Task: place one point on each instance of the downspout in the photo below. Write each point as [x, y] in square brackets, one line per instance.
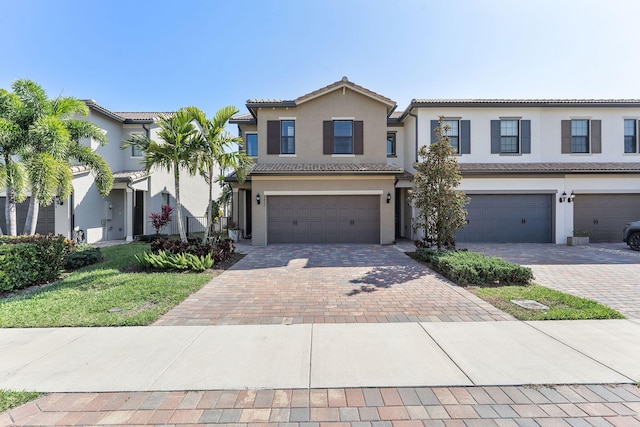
[416, 117]
[147, 131]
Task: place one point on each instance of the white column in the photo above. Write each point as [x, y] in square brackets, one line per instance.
[129, 214]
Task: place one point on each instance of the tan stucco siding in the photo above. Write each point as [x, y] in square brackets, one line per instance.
[308, 128]
[314, 185]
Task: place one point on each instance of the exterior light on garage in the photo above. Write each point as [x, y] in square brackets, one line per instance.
[563, 197]
[388, 197]
[571, 197]
[258, 198]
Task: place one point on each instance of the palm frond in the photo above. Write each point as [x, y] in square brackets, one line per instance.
[67, 106]
[82, 129]
[98, 166]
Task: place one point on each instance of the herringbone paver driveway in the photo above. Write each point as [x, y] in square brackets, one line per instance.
[607, 273]
[328, 284]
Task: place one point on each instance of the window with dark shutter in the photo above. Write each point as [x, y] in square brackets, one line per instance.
[358, 137]
[525, 128]
[596, 136]
[465, 136]
[327, 137]
[565, 129]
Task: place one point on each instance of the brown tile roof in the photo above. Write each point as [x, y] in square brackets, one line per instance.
[426, 102]
[129, 176]
[242, 118]
[344, 82]
[78, 169]
[475, 168]
[295, 168]
[144, 115]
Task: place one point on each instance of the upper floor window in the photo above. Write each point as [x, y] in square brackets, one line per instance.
[581, 136]
[342, 137]
[281, 136]
[288, 137]
[452, 130]
[630, 136]
[458, 132]
[391, 144]
[136, 151]
[251, 144]
[510, 136]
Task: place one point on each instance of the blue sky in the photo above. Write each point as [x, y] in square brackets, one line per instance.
[140, 55]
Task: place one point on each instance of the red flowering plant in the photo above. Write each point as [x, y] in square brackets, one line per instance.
[160, 220]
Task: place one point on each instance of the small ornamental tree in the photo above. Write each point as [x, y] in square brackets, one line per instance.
[440, 205]
[160, 220]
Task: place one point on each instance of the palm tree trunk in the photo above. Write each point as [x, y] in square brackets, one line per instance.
[32, 216]
[209, 221]
[10, 213]
[176, 177]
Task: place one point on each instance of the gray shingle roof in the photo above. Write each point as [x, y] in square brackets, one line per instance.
[610, 167]
[126, 117]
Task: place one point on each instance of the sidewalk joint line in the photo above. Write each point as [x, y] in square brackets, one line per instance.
[189, 344]
[447, 354]
[578, 351]
[310, 361]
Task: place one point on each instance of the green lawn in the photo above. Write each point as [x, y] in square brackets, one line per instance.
[85, 296]
[561, 306]
[12, 399]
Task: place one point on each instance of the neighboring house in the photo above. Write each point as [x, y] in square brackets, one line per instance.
[124, 213]
[335, 166]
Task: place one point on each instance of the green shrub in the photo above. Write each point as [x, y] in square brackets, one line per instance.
[218, 248]
[31, 260]
[165, 260]
[473, 268]
[82, 255]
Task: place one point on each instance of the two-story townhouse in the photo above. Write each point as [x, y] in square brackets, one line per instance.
[124, 213]
[538, 170]
[535, 170]
[321, 173]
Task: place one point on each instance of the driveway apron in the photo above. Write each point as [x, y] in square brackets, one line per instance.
[288, 284]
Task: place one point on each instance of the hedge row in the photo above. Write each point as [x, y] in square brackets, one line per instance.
[472, 268]
[31, 260]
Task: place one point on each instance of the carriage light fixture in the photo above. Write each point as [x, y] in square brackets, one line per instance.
[388, 197]
[258, 198]
[563, 197]
[571, 197]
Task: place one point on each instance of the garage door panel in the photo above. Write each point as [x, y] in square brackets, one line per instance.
[509, 218]
[603, 215]
[46, 217]
[323, 219]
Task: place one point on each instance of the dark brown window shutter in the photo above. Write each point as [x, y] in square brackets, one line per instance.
[565, 130]
[273, 137]
[327, 137]
[596, 136]
[358, 137]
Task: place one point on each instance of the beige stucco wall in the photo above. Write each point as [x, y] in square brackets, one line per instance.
[345, 104]
[343, 185]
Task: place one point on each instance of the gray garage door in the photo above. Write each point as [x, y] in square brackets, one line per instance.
[604, 215]
[512, 218]
[323, 219]
[46, 217]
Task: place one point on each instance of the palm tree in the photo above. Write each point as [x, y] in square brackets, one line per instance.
[217, 149]
[13, 112]
[180, 137]
[48, 138]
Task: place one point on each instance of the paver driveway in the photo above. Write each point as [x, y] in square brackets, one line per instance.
[328, 284]
[607, 273]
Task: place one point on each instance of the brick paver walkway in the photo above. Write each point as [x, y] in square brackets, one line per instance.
[594, 405]
[329, 284]
[607, 273]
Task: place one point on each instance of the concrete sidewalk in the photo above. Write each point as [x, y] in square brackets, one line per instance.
[320, 356]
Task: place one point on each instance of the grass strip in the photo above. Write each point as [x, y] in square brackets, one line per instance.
[561, 306]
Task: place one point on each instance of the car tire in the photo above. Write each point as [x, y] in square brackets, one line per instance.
[634, 241]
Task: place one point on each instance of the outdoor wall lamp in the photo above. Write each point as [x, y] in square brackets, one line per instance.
[59, 201]
[571, 197]
[563, 198]
[258, 198]
[388, 197]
